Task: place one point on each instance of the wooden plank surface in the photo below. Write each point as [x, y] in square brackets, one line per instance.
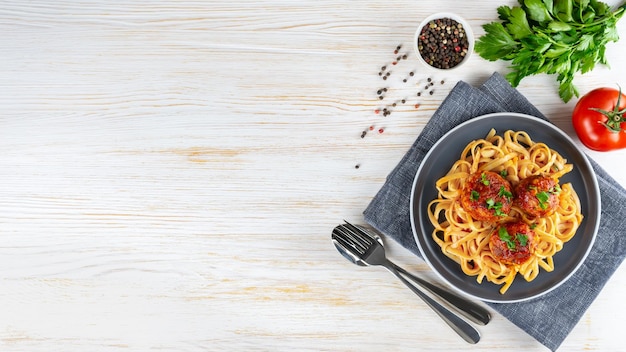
[171, 172]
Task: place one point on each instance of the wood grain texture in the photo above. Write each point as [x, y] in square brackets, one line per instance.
[171, 172]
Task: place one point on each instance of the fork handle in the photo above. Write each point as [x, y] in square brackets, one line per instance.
[469, 309]
[463, 328]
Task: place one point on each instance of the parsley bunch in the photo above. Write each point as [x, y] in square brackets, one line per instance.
[559, 37]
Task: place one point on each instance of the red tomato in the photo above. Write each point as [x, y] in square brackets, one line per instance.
[598, 119]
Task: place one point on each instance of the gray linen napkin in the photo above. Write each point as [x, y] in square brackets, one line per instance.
[389, 213]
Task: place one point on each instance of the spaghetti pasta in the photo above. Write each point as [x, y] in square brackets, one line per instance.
[464, 239]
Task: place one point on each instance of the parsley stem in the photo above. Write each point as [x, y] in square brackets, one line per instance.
[617, 14]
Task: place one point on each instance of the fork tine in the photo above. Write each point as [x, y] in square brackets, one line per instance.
[340, 240]
[355, 234]
[352, 239]
[364, 235]
[341, 235]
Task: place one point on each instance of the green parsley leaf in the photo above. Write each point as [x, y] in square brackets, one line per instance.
[504, 173]
[518, 24]
[567, 90]
[611, 34]
[474, 195]
[537, 11]
[563, 10]
[484, 180]
[543, 198]
[600, 8]
[497, 43]
[506, 238]
[586, 42]
[495, 206]
[504, 12]
[504, 193]
[522, 239]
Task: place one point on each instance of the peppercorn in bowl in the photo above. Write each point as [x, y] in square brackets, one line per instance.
[443, 41]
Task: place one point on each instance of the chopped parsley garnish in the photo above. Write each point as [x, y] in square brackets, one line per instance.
[543, 198]
[484, 180]
[556, 189]
[504, 173]
[510, 240]
[504, 193]
[495, 206]
[506, 238]
[522, 239]
[474, 195]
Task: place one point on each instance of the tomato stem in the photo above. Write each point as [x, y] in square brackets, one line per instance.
[614, 117]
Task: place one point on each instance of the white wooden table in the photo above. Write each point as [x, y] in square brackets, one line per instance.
[171, 171]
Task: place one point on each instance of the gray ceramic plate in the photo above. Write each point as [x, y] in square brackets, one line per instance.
[438, 162]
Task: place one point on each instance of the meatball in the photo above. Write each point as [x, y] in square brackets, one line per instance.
[537, 195]
[512, 243]
[487, 196]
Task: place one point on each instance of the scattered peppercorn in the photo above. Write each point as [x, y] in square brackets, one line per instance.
[357, 166]
[387, 109]
[442, 81]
